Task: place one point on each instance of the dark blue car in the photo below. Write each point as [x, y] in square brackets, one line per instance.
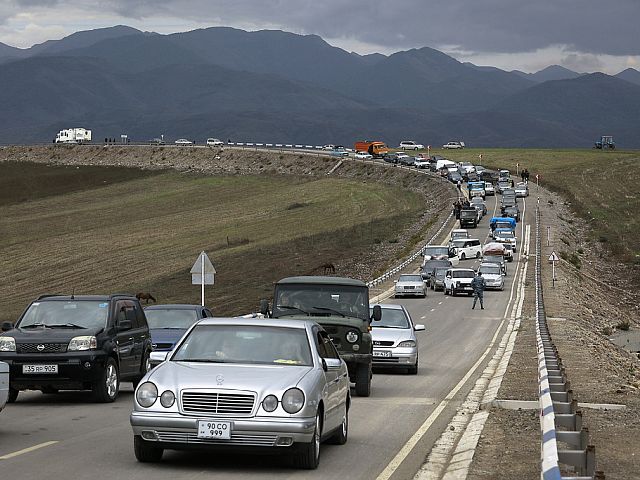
[167, 323]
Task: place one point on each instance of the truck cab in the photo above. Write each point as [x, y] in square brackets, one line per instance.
[341, 306]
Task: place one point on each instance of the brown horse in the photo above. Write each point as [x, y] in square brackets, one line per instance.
[145, 296]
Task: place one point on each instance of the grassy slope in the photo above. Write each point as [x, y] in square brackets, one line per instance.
[145, 234]
[602, 187]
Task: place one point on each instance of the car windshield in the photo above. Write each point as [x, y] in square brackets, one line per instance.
[508, 234]
[490, 269]
[171, 318]
[66, 314]
[321, 300]
[410, 278]
[463, 274]
[493, 259]
[440, 273]
[246, 344]
[392, 318]
[437, 251]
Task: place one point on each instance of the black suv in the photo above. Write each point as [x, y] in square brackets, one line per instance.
[77, 343]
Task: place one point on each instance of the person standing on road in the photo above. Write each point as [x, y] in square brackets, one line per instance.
[478, 284]
[459, 186]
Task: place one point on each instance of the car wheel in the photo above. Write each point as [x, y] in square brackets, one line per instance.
[145, 451]
[424, 293]
[453, 292]
[413, 369]
[340, 437]
[13, 395]
[363, 380]
[106, 390]
[478, 255]
[145, 367]
[462, 256]
[309, 455]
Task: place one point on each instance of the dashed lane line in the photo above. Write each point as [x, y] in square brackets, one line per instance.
[27, 450]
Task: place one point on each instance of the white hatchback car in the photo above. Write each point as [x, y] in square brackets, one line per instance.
[394, 341]
[214, 142]
[183, 141]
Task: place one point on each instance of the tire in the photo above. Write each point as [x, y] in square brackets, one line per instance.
[363, 380]
[413, 369]
[453, 292]
[146, 452]
[341, 436]
[13, 395]
[308, 456]
[463, 256]
[478, 255]
[145, 367]
[106, 390]
[424, 293]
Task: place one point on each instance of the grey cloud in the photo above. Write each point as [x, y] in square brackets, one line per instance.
[582, 63]
[499, 26]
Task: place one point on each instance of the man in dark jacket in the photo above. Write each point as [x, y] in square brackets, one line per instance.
[478, 284]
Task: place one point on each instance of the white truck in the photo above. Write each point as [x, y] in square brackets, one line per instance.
[73, 135]
[4, 384]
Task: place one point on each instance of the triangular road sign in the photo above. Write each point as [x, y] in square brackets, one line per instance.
[553, 257]
[209, 271]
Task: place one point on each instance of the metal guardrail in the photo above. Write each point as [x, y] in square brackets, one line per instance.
[560, 421]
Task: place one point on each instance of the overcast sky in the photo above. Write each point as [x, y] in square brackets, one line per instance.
[528, 35]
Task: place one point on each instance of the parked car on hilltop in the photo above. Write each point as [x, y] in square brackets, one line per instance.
[262, 384]
[411, 145]
[453, 145]
[183, 141]
[214, 142]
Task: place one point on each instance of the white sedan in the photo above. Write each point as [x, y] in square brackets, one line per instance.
[183, 141]
[453, 145]
[410, 284]
[363, 156]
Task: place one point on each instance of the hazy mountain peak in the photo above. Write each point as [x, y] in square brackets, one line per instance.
[82, 39]
[630, 75]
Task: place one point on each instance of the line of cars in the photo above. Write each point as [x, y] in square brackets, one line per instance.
[279, 384]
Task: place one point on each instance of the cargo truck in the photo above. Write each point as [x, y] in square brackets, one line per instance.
[376, 149]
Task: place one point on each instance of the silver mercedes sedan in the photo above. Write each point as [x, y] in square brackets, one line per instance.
[272, 385]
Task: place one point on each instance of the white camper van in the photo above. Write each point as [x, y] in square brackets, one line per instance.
[73, 135]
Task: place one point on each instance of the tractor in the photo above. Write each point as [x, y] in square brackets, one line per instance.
[606, 141]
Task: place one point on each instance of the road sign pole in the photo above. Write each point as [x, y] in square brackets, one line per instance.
[553, 275]
[548, 235]
[202, 276]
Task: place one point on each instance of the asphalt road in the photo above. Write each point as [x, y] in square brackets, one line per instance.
[94, 440]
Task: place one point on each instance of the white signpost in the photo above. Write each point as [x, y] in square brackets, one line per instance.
[202, 272]
[553, 258]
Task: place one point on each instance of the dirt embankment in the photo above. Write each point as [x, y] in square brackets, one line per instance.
[438, 194]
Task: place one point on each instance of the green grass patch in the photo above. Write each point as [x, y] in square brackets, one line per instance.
[144, 234]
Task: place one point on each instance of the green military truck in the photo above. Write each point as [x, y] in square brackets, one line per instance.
[341, 306]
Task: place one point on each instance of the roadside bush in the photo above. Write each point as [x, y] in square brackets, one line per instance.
[623, 325]
[607, 331]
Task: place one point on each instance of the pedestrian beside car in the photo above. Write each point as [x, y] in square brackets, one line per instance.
[478, 284]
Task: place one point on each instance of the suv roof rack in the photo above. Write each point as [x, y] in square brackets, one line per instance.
[46, 295]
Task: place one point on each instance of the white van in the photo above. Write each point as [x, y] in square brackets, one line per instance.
[468, 248]
[444, 163]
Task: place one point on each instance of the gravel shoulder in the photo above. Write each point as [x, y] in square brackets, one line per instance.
[590, 303]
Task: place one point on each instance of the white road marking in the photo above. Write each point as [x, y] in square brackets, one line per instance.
[424, 316]
[27, 450]
[439, 303]
[433, 310]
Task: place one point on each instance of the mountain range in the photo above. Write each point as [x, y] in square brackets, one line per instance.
[274, 86]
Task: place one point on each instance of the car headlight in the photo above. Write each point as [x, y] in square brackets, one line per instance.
[352, 336]
[407, 343]
[270, 403]
[293, 400]
[7, 344]
[147, 394]
[167, 398]
[86, 342]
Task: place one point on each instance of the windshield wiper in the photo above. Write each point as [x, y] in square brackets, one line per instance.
[66, 325]
[330, 310]
[35, 325]
[291, 307]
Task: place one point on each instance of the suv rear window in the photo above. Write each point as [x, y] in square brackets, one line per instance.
[82, 313]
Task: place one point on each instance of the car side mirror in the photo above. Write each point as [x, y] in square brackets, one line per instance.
[331, 364]
[124, 325]
[377, 313]
[156, 358]
[6, 326]
[264, 307]
[419, 327]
